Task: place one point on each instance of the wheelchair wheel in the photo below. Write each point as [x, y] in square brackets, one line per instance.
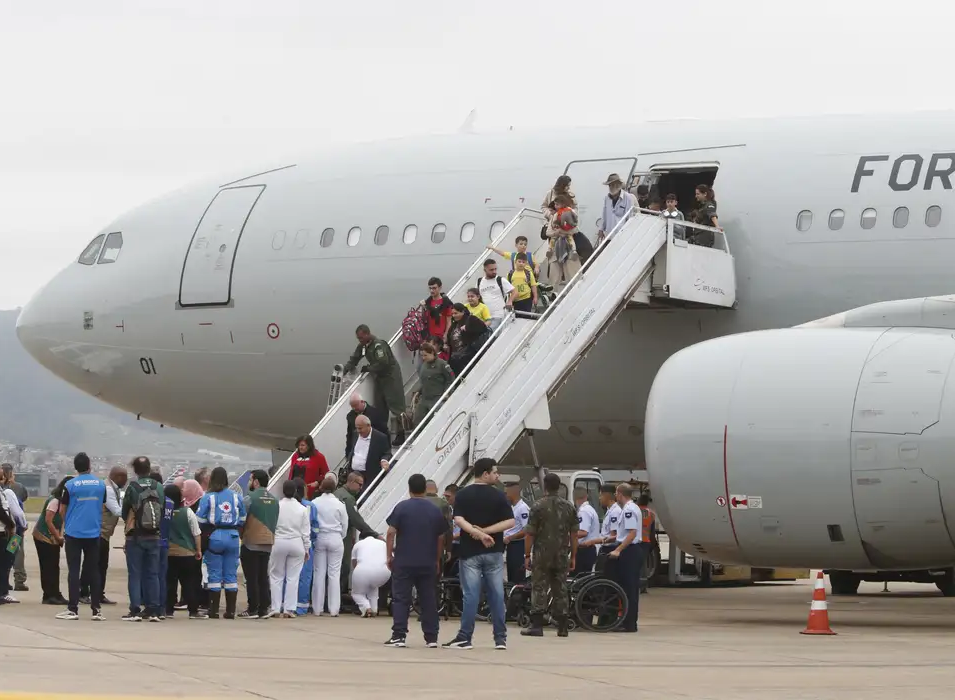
[523, 619]
[441, 601]
[600, 605]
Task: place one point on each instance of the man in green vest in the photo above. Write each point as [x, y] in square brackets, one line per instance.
[348, 494]
[258, 536]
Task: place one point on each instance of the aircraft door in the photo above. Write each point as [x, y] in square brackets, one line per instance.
[587, 178]
[207, 270]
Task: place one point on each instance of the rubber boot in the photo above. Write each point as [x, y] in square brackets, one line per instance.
[563, 626]
[214, 597]
[537, 626]
[230, 599]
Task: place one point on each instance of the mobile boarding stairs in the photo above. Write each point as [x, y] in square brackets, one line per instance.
[644, 260]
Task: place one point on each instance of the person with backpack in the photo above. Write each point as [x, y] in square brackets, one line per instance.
[438, 306]
[143, 511]
[522, 277]
[221, 514]
[497, 293]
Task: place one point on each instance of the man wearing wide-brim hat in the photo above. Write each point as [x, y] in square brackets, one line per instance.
[616, 205]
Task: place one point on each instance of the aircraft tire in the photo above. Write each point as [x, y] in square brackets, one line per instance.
[844, 583]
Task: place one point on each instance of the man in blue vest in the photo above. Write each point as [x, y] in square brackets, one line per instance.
[81, 508]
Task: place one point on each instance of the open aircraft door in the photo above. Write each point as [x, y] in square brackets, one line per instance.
[587, 184]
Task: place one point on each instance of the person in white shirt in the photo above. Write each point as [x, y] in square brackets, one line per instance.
[369, 562]
[497, 292]
[329, 548]
[616, 204]
[289, 553]
[626, 559]
[608, 529]
[514, 536]
[588, 533]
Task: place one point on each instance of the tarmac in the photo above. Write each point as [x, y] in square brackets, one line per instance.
[739, 643]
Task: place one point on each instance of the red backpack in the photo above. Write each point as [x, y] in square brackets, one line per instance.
[414, 328]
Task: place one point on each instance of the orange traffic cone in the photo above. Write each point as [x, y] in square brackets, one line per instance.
[819, 611]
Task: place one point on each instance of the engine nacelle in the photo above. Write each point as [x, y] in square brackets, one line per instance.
[808, 447]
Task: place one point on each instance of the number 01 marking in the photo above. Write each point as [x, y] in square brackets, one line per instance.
[147, 365]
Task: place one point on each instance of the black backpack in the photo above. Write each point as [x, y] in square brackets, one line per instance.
[584, 247]
[149, 509]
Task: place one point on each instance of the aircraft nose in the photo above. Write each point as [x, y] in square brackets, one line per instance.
[50, 328]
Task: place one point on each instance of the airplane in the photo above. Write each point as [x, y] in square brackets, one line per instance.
[236, 340]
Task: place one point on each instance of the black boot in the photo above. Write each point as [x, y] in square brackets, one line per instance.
[537, 626]
[214, 597]
[563, 626]
[230, 599]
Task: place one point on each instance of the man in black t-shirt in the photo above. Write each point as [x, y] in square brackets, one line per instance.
[483, 514]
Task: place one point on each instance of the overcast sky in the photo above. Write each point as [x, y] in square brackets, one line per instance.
[109, 103]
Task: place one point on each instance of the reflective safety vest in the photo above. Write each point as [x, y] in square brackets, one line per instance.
[648, 517]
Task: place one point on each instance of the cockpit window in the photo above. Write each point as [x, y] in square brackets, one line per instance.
[88, 256]
[114, 243]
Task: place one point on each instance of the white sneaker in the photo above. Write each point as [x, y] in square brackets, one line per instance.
[98, 617]
[9, 599]
[67, 615]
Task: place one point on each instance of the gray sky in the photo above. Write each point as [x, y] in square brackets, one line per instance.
[107, 104]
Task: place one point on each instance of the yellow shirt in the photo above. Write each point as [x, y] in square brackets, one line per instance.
[523, 280]
[481, 311]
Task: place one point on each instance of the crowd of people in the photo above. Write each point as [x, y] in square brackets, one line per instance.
[184, 544]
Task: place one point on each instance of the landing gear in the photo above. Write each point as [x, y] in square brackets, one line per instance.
[844, 582]
[946, 584]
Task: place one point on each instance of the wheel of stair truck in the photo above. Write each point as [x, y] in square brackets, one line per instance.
[844, 582]
[600, 605]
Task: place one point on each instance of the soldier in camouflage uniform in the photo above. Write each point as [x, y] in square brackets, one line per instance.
[551, 536]
[382, 365]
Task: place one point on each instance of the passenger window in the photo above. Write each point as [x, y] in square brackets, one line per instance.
[354, 234]
[381, 235]
[410, 234]
[868, 218]
[837, 217]
[437, 233]
[496, 229]
[933, 216]
[88, 256]
[467, 232]
[592, 487]
[804, 220]
[114, 243]
[900, 218]
[328, 236]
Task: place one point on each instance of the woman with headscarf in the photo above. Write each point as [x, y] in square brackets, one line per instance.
[466, 334]
[185, 555]
[192, 492]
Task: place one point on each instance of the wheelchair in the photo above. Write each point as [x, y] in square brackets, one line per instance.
[597, 603]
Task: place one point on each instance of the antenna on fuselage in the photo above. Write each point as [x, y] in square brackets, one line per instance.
[468, 126]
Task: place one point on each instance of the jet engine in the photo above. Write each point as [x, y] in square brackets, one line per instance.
[830, 445]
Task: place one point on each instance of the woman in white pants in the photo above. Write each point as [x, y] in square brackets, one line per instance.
[289, 553]
[369, 566]
[329, 548]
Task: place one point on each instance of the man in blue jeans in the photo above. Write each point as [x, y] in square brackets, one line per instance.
[142, 542]
[483, 514]
[415, 546]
